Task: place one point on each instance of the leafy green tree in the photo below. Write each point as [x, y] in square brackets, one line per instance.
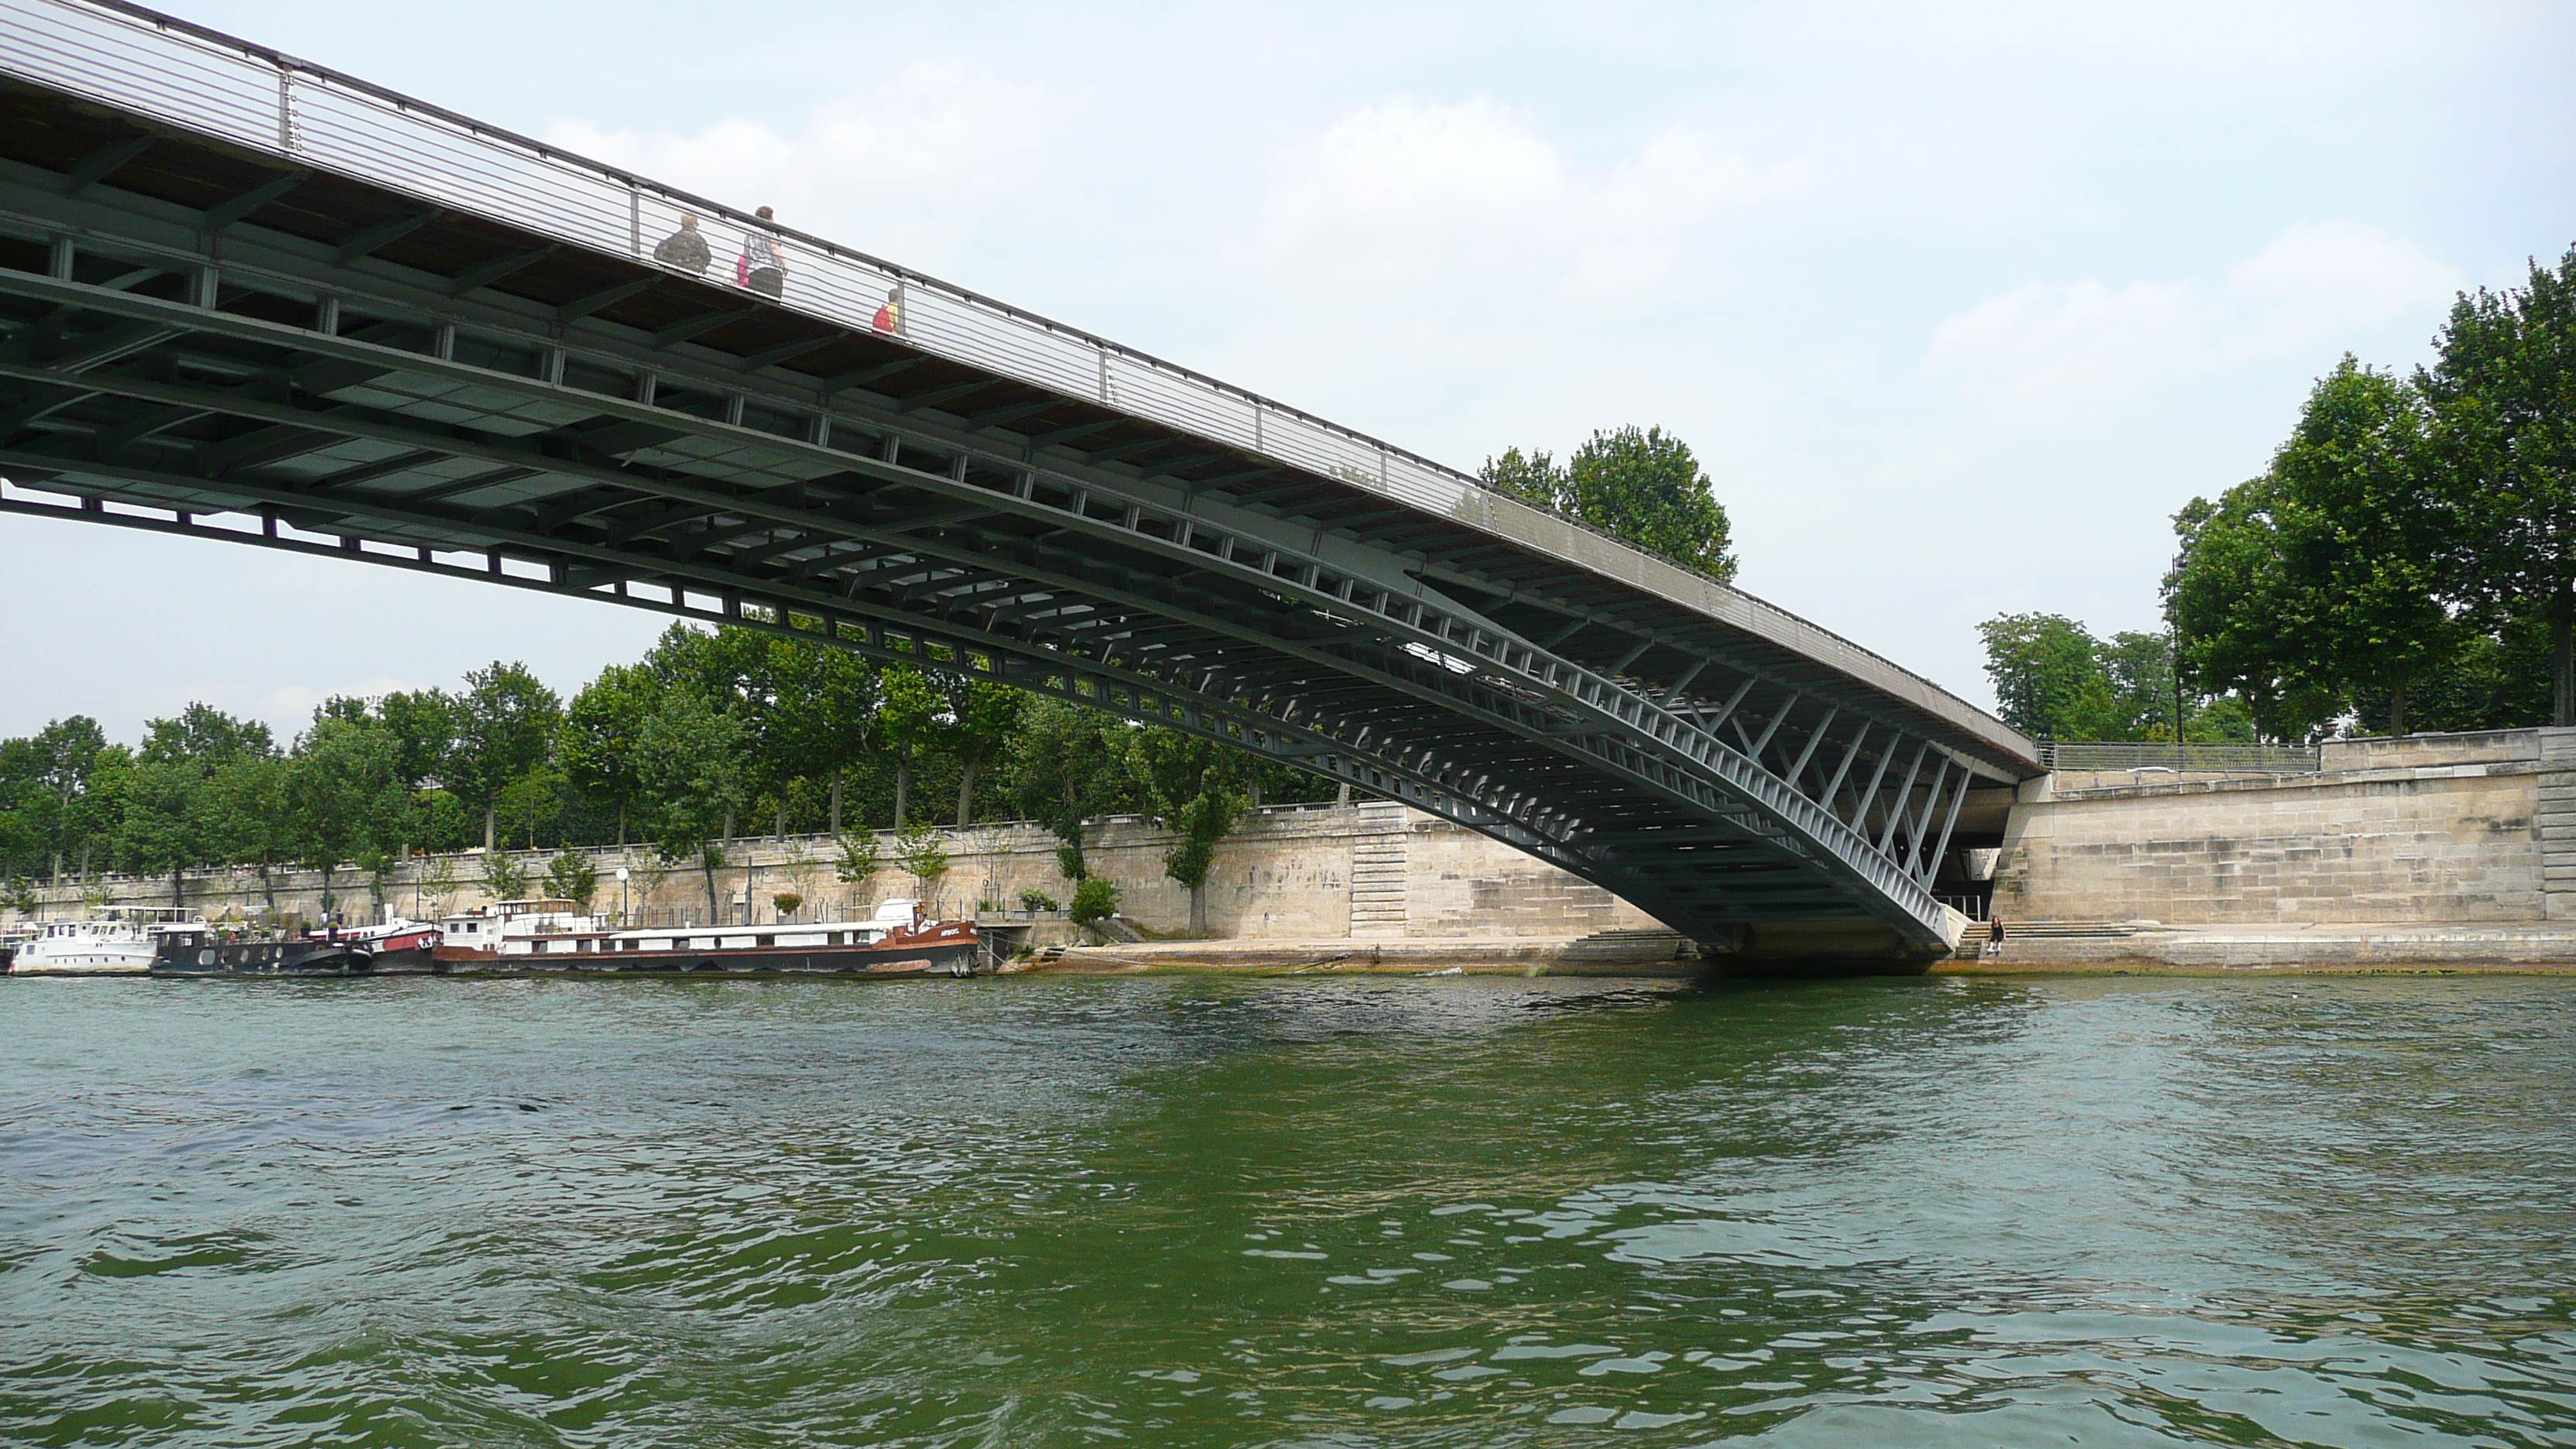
[2362, 541]
[823, 704]
[1646, 487]
[596, 744]
[504, 878]
[571, 876]
[204, 734]
[506, 723]
[981, 720]
[248, 819]
[1095, 899]
[160, 829]
[344, 797]
[1532, 478]
[533, 801]
[689, 760]
[422, 724]
[910, 714]
[2502, 443]
[1639, 484]
[1064, 768]
[52, 772]
[924, 852]
[2048, 676]
[1197, 794]
[859, 859]
[2234, 603]
[439, 884]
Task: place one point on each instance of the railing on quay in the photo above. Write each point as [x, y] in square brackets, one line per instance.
[315, 116]
[2162, 755]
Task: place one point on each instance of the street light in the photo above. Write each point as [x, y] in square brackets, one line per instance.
[621, 895]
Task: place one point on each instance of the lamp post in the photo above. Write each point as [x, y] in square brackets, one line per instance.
[621, 895]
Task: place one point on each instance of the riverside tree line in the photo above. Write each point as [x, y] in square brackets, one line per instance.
[2406, 562]
[709, 737]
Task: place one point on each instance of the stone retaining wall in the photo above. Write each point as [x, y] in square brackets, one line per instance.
[1287, 874]
[2427, 828]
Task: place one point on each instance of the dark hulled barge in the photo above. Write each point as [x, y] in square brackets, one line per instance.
[398, 948]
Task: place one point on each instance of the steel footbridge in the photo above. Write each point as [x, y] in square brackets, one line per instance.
[249, 299]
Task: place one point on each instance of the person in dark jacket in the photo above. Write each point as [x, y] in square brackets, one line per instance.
[763, 264]
[684, 250]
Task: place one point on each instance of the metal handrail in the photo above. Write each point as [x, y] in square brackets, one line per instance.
[2164, 755]
[264, 98]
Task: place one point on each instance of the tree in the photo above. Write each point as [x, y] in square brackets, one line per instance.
[505, 728]
[1638, 484]
[858, 861]
[438, 884]
[1064, 769]
[159, 826]
[532, 801]
[823, 714]
[204, 734]
[504, 878]
[690, 768]
[596, 743]
[1197, 795]
[925, 854]
[571, 876]
[344, 797]
[982, 717]
[909, 716]
[1095, 900]
[249, 821]
[2048, 675]
[2232, 602]
[2501, 431]
[422, 724]
[2362, 542]
[1532, 478]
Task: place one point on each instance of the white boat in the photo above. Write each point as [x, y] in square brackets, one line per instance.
[550, 935]
[114, 941]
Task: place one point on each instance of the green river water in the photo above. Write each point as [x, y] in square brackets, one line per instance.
[1305, 1210]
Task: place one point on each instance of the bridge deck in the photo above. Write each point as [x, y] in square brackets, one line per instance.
[308, 328]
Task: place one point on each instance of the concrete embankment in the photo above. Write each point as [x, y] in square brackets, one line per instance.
[2428, 852]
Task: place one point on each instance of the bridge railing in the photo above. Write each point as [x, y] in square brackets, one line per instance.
[2159, 755]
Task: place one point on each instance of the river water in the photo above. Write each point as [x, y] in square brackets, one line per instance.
[1314, 1210]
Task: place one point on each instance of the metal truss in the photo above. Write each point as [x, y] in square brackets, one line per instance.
[158, 371]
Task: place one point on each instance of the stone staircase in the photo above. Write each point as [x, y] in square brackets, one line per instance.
[2556, 818]
[1378, 869]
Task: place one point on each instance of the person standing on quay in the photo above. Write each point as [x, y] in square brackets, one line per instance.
[763, 265]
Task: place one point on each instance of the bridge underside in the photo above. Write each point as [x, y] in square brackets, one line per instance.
[198, 337]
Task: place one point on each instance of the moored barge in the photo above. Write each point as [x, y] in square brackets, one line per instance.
[895, 941]
[396, 948]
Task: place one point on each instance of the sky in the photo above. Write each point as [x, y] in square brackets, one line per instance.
[1957, 304]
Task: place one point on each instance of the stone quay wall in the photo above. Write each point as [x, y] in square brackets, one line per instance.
[1374, 870]
[2459, 829]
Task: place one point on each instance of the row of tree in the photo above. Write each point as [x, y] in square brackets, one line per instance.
[2406, 562]
[710, 736]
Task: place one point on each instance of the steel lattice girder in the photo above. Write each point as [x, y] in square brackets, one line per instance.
[1064, 573]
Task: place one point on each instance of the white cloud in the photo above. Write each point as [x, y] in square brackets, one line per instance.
[1471, 205]
[2049, 340]
[2317, 282]
[2326, 281]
